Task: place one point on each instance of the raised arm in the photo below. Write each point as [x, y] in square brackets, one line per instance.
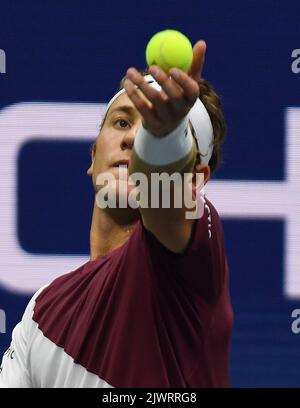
[164, 142]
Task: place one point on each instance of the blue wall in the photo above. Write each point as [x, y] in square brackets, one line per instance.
[77, 51]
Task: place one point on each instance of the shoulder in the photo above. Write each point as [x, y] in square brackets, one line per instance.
[62, 288]
[27, 316]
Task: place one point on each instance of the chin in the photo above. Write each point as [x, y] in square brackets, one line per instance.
[115, 194]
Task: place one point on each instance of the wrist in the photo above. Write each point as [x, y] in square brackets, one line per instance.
[164, 150]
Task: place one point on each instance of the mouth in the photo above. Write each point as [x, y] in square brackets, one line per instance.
[121, 163]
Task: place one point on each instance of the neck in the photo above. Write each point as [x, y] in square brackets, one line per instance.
[110, 229]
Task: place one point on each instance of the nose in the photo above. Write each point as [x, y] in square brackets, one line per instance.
[128, 138]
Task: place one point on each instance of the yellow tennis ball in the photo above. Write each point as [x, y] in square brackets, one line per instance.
[168, 49]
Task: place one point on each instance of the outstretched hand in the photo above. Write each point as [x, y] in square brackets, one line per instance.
[162, 111]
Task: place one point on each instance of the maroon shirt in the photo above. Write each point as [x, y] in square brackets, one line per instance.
[143, 316]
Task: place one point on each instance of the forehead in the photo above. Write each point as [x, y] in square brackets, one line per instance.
[124, 100]
[123, 103]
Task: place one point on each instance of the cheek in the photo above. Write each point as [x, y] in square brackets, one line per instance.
[103, 147]
[107, 149]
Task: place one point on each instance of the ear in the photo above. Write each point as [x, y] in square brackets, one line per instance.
[203, 171]
[93, 152]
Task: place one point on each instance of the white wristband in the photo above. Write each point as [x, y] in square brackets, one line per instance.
[164, 150]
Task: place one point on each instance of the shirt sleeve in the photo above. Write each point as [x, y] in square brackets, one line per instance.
[14, 370]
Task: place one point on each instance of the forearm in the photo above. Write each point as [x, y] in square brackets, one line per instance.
[167, 222]
[159, 155]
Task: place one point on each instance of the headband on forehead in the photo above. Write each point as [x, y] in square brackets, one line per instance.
[198, 117]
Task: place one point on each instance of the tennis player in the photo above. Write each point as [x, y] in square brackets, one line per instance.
[152, 307]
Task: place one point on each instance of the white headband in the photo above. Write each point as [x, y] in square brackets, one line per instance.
[198, 117]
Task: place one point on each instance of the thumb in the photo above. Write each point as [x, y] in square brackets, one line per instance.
[199, 50]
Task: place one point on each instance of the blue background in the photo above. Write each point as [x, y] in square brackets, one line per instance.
[79, 51]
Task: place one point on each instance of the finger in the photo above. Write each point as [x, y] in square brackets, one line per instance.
[190, 86]
[158, 99]
[143, 106]
[171, 88]
[199, 51]
[149, 91]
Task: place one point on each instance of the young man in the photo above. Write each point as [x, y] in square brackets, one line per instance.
[151, 308]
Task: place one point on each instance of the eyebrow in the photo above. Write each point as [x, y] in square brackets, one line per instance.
[122, 108]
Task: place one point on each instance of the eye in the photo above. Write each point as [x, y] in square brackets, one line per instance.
[121, 124]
